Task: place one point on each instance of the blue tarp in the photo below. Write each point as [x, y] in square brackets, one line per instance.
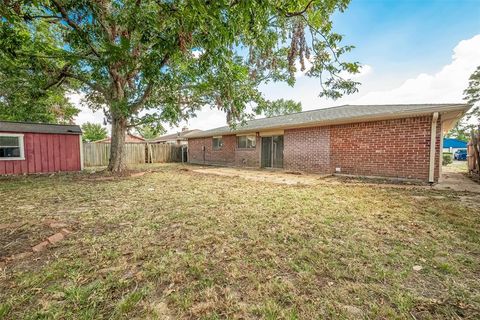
[454, 143]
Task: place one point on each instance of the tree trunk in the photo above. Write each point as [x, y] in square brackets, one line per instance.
[117, 154]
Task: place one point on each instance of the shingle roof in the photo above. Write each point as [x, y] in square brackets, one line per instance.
[7, 126]
[175, 136]
[333, 115]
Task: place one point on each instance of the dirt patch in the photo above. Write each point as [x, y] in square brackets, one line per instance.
[15, 240]
[457, 181]
[278, 177]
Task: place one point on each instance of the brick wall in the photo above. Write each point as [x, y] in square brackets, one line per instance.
[307, 149]
[225, 156]
[392, 148]
[228, 155]
[249, 158]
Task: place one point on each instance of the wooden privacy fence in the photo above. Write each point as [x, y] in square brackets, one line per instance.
[474, 153]
[163, 153]
[97, 154]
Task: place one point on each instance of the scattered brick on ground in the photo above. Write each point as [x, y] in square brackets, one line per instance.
[40, 247]
[54, 238]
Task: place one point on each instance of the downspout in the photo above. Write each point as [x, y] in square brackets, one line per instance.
[433, 138]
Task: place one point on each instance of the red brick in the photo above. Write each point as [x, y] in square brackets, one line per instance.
[40, 247]
[55, 238]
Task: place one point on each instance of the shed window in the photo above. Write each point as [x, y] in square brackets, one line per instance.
[217, 143]
[11, 147]
[246, 142]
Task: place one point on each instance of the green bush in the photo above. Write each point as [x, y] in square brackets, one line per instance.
[447, 158]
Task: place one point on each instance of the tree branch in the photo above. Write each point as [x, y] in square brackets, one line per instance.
[59, 79]
[299, 13]
[75, 26]
[146, 94]
[84, 80]
[148, 90]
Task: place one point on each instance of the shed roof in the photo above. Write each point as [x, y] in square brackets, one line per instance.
[334, 115]
[454, 143]
[7, 126]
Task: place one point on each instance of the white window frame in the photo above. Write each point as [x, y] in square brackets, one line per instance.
[21, 145]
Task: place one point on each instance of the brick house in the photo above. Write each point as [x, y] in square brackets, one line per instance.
[395, 141]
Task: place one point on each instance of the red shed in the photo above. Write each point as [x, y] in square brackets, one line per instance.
[39, 148]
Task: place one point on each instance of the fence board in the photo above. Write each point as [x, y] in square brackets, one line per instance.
[163, 153]
[134, 153]
[97, 154]
[473, 150]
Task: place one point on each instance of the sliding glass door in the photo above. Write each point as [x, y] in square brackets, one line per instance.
[272, 152]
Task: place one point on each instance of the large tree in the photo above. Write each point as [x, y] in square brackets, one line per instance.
[25, 93]
[281, 107]
[161, 60]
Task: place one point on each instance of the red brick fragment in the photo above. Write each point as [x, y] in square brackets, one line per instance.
[40, 247]
[55, 237]
[137, 174]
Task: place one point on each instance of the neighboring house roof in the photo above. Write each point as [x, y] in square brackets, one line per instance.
[175, 136]
[336, 115]
[129, 138]
[7, 126]
[454, 143]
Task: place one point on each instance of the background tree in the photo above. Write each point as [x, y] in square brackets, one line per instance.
[148, 131]
[280, 107]
[461, 131]
[472, 94]
[159, 60]
[25, 93]
[463, 128]
[93, 132]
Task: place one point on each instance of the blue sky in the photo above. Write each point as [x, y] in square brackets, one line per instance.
[401, 37]
[413, 51]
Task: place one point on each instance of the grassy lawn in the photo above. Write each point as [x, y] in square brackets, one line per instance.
[179, 244]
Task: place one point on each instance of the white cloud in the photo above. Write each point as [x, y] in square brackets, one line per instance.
[86, 114]
[299, 73]
[446, 85]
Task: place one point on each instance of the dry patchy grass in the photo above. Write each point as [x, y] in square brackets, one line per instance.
[180, 244]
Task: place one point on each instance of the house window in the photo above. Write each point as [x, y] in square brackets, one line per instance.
[246, 142]
[217, 143]
[11, 147]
